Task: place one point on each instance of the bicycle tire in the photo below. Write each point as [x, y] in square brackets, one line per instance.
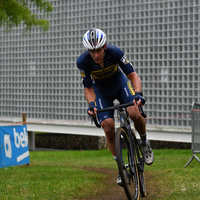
[140, 162]
[142, 184]
[128, 171]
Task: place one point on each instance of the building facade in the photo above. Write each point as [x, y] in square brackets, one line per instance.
[38, 73]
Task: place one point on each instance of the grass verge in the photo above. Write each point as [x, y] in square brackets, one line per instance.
[61, 175]
[168, 179]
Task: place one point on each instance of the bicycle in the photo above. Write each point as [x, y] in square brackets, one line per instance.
[129, 153]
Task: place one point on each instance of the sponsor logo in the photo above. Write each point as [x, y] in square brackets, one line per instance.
[20, 141]
[7, 146]
[104, 73]
[125, 60]
[82, 72]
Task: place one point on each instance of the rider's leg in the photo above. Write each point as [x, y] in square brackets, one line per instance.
[109, 129]
[139, 121]
[140, 126]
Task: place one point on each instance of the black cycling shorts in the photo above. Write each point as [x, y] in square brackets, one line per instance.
[120, 90]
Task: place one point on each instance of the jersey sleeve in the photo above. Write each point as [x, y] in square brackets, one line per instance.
[85, 74]
[123, 61]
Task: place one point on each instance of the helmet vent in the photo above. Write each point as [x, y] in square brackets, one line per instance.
[94, 39]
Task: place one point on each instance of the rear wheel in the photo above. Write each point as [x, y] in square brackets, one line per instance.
[127, 169]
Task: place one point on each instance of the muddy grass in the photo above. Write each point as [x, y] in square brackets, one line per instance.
[112, 191]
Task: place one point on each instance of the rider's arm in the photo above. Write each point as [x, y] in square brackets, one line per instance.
[90, 97]
[83, 64]
[137, 86]
[129, 71]
[89, 94]
[136, 82]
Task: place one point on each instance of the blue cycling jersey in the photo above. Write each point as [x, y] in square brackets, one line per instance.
[114, 57]
[109, 83]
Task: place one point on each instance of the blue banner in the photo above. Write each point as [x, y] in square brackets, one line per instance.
[14, 146]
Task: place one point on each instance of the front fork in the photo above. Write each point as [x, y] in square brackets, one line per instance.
[140, 160]
[132, 151]
[140, 165]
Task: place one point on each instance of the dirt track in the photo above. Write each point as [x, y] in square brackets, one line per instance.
[113, 191]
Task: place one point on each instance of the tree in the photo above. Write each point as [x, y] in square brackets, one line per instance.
[16, 12]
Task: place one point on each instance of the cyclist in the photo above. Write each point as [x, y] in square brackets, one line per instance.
[105, 73]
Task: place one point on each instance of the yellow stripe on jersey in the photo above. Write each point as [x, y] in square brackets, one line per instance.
[104, 73]
[130, 88]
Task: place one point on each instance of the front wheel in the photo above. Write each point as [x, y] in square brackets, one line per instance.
[140, 163]
[127, 165]
[142, 184]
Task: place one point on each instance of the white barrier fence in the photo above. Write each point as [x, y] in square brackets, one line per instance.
[170, 134]
[156, 133]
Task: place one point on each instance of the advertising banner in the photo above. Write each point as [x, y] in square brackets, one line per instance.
[14, 145]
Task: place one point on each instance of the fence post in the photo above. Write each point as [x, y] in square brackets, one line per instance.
[31, 135]
[24, 118]
[24, 122]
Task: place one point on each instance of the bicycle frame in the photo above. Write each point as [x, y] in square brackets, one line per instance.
[126, 124]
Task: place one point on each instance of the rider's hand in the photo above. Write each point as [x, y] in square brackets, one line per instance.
[141, 100]
[92, 107]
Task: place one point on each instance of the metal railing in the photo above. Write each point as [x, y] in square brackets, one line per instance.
[195, 113]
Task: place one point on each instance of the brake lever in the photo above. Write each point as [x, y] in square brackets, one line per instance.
[94, 119]
[91, 110]
[140, 108]
[142, 112]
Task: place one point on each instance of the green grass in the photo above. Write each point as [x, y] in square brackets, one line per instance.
[55, 175]
[61, 175]
[170, 180]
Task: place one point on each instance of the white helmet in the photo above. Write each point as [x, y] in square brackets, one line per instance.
[94, 39]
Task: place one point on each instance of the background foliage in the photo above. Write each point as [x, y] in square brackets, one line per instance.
[16, 12]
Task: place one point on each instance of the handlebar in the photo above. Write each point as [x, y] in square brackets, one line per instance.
[117, 107]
